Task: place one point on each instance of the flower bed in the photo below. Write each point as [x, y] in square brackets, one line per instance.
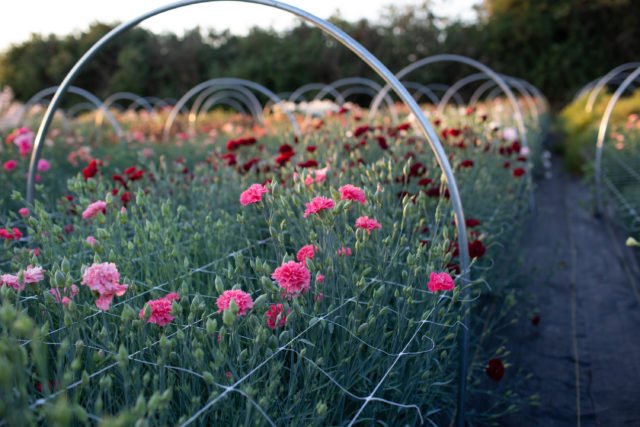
[272, 280]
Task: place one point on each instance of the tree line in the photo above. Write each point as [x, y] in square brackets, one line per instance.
[558, 45]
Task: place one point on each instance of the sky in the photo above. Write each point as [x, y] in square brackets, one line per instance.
[20, 18]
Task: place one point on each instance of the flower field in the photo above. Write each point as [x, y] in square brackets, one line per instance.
[244, 275]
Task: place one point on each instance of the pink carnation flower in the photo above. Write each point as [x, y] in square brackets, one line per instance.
[253, 194]
[305, 252]
[43, 165]
[349, 192]
[66, 296]
[319, 278]
[10, 165]
[161, 310]
[33, 274]
[272, 315]
[91, 240]
[94, 208]
[11, 280]
[103, 278]
[318, 204]
[367, 224]
[242, 299]
[440, 282]
[24, 212]
[293, 277]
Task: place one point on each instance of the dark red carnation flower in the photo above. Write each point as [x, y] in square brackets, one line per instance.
[535, 320]
[229, 158]
[506, 165]
[454, 132]
[466, 164]
[417, 169]
[311, 163]
[360, 130]
[404, 126]
[232, 144]
[126, 197]
[285, 148]
[515, 146]
[495, 370]
[518, 172]
[250, 163]
[68, 228]
[437, 122]
[453, 268]
[382, 142]
[130, 170]
[283, 158]
[424, 182]
[311, 148]
[522, 159]
[119, 179]
[471, 222]
[476, 249]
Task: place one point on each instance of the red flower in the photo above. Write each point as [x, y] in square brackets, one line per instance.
[515, 146]
[283, 158]
[495, 370]
[404, 126]
[311, 148]
[535, 320]
[472, 222]
[360, 130]
[91, 170]
[382, 142]
[272, 315]
[466, 164]
[230, 158]
[518, 172]
[126, 197]
[476, 249]
[308, 164]
[285, 148]
[247, 166]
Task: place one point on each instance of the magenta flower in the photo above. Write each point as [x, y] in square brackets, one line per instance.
[94, 208]
[318, 204]
[91, 240]
[344, 251]
[103, 278]
[305, 252]
[10, 165]
[242, 299]
[349, 192]
[367, 224]
[24, 212]
[319, 278]
[43, 165]
[253, 194]
[272, 315]
[160, 310]
[293, 277]
[440, 282]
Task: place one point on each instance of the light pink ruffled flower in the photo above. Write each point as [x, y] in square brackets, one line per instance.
[318, 204]
[440, 282]
[94, 208]
[33, 274]
[367, 224]
[91, 240]
[11, 280]
[293, 277]
[350, 192]
[242, 299]
[160, 310]
[24, 212]
[305, 252]
[103, 278]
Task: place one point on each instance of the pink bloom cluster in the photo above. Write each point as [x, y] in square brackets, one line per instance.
[272, 315]
[253, 194]
[305, 252]
[24, 141]
[318, 204]
[66, 296]
[293, 277]
[440, 282]
[349, 192]
[103, 278]
[242, 299]
[344, 251]
[43, 165]
[31, 275]
[160, 310]
[318, 176]
[10, 165]
[94, 208]
[367, 224]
